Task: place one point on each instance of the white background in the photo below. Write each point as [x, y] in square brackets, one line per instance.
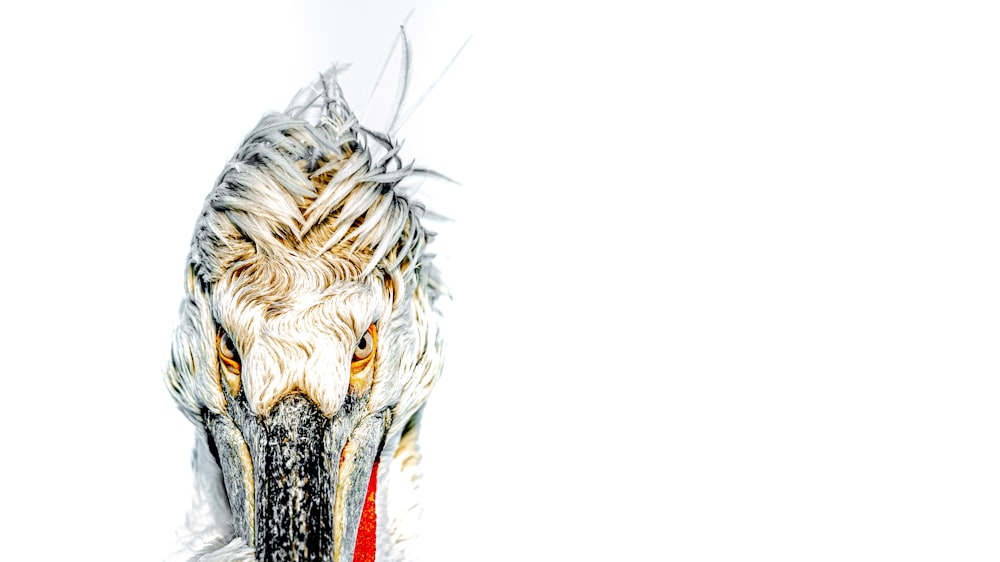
[725, 273]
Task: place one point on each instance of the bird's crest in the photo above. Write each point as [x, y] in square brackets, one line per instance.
[308, 180]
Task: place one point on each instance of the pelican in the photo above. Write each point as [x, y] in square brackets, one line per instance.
[308, 343]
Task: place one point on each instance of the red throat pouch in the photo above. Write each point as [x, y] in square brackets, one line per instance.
[364, 548]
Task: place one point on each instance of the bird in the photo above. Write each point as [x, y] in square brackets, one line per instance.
[308, 342]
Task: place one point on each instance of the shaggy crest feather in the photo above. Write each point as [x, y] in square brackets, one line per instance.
[312, 165]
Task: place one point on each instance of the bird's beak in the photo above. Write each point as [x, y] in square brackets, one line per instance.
[312, 478]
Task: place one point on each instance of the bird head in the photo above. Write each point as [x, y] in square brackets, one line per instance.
[308, 339]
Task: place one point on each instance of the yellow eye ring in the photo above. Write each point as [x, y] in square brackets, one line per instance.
[364, 350]
[227, 352]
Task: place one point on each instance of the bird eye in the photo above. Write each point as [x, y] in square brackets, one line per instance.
[365, 349]
[227, 352]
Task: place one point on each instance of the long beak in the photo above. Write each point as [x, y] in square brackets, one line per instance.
[311, 479]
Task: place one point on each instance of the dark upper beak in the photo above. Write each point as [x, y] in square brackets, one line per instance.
[302, 497]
